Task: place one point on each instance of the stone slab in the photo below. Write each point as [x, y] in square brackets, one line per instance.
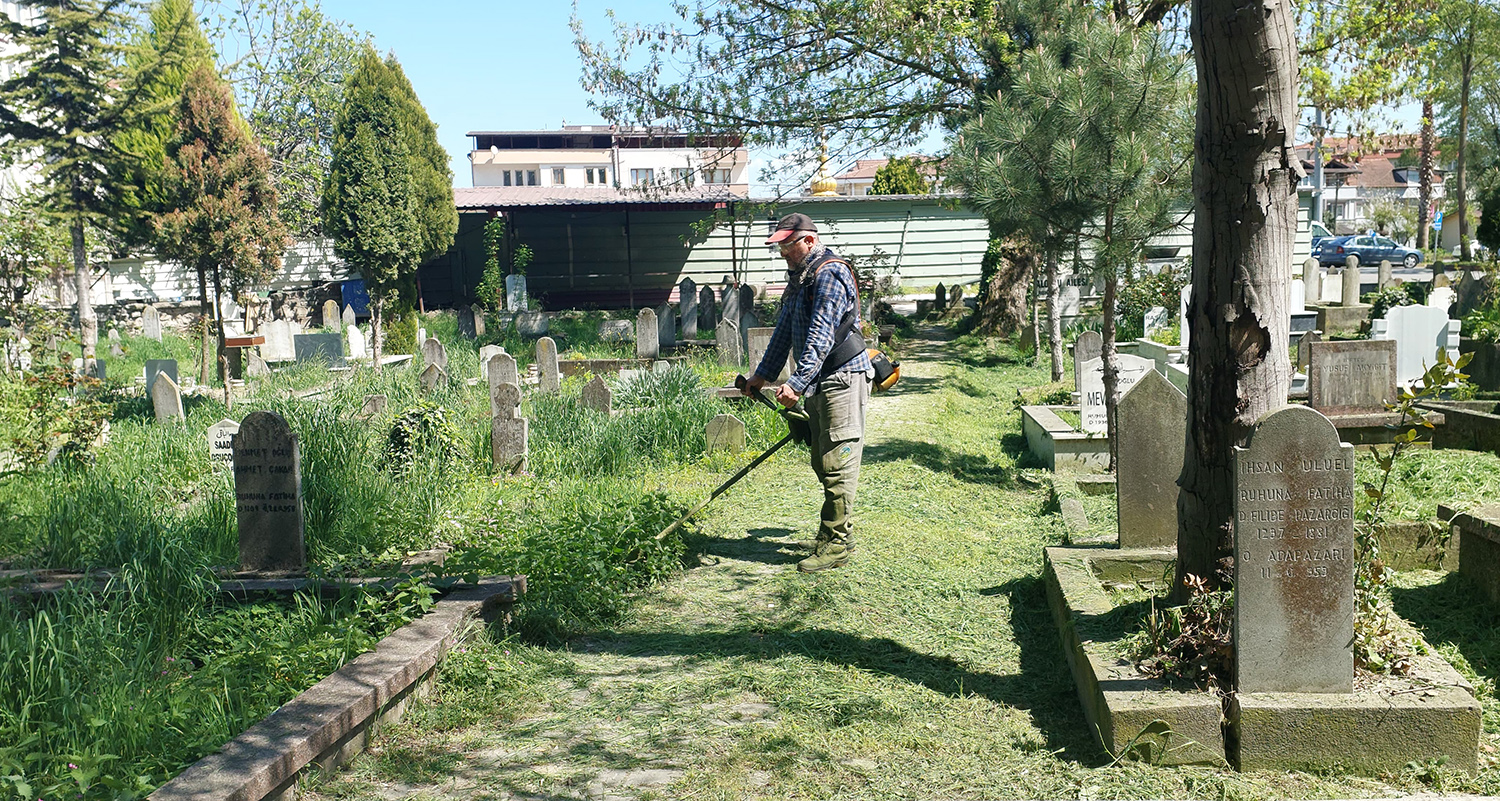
[1351, 377]
[328, 348]
[1095, 485]
[1058, 445]
[1341, 319]
[1478, 533]
[1152, 434]
[268, 494]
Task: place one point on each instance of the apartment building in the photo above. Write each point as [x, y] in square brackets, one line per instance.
[15, 178]
[609, 157]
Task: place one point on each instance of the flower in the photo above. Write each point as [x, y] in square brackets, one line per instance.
[71, 766]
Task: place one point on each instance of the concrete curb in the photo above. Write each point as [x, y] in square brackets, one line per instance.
[330, 723]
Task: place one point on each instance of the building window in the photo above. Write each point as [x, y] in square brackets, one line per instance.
[596, 175]
[642, 177]
[506, 176]
[530, 178]
[557, 176]
[717, 175]
[682, 176]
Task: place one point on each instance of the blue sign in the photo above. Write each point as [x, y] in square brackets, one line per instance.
[357, 297]
[1437, 220]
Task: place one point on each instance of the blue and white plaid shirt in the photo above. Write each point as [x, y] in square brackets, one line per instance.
[808, 332]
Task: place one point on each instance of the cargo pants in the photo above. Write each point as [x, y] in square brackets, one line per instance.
[836, 416]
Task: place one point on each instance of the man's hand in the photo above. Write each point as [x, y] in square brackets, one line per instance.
[753, 384]
[787, 396]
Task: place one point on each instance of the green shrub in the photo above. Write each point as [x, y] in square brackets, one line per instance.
[1145, 291]
[1403, 294]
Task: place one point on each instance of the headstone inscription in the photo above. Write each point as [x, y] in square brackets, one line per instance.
[221, 442]
[546, 359]
[1352, 377]
[1156, 319]
[268, 494]
[1419, 331]
[708, 314]
[278, 344]
[687, 304]
[326, 348]
[154, 366]
[646, 331]
[730, 345]
[725, 432]
[331, 318]
[434, 353]
[1152, 433]
[1088, 346]
[151, 322]
[666, 326]
[1091, 393]
[596, 396]
[1294, 556]
[166, 399]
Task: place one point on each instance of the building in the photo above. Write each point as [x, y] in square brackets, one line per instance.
[15, 178]
[860, 178]
[597, 157]
[1361, 175]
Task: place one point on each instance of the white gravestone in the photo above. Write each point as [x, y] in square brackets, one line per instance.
[1091, 393]
[221, 442]
[356, 344]
[151, 322]
[1442, 298]
[1156, 318]
[278, 346]
[1298, 296]
[486, 353]
[515, 292]
[1419, 331]
[166, 398]
[434, 353]
[331, 317]
[646, 331]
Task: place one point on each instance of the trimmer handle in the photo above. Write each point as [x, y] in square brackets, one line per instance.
[794, 413]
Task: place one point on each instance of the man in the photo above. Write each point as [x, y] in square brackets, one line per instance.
[819, 323]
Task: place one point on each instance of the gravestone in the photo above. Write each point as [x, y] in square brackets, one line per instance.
[255, 366]
[433, 377]
[1184, 300]
[687, 304]
[326, 348]
[500, 370]
[166, 399]
[515, 292]
[1442, 297]
[1298, 296]
[1304, 349]
[421, 336]
[708, 314]
[151, 322]
[374, 406]
[1294, 556]
[508, 429]
[666, 326]
[434, 353]
[1350, 281]
[731, 304]
[1383, 275]
[596, 396]
[278, 344]
[99, 372]
[355, 346]
[748, 320]
[546, 359]
[940, 298]
[348, 317]
[1156, 319]
[268, 494]
[531, 324]
[331, 318]
[1151, 435]
[221, 442]
[478, 312]
[486, 353]
[730, 345]
[154, 366]
[1091, 393]
[661, 366]
[466, 323]
[114, 344]
[1312, 278]
[1419, 331]
[1088, 346]
[646, 330]
[725, 432]
[760, 339]
[616, 331]
[747, 299]
[956, 300]
[1352, 377]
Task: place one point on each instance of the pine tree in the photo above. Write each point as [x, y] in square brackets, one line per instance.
[221, 207]
[62, 110]
[371, 200]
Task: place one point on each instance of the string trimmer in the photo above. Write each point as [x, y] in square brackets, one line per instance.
[797, 431]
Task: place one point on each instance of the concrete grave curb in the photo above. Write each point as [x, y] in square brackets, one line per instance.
[331, 722]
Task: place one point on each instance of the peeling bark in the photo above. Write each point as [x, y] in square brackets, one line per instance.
[1245, 176]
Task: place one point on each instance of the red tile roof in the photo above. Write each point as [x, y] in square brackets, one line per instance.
[490, 197]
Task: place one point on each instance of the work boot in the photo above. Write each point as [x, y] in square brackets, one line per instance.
[827, 556]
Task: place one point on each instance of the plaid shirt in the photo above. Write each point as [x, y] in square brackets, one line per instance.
[808, 332]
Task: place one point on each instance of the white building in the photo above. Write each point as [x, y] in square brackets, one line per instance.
[603, 156]
[1360, 176]
[15, 179]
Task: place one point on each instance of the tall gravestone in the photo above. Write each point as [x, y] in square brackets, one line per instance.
[1091, 393]
[166, 399]
[221, 442]
[331, 317]
[1152, 433]
[687, 304]
[1294, 556]
[731, 304]
[940, 298]
[1384, 275]
[547, 367]
[708, 315]
[115, 350]
[1352, 377]
[646, 344]
[666, 326]
[956, 305]
[1155, 319]
[1312, 278]
[730, 345]
[1089, 346]
[1304, 349]
[348, 316]
[434, 353]
[1419, 332]
[508, 429]
[354, 345]
[155, 366]
[596, 396]
[487, 352]
[466, 323]
[151, 322]
[1350, 282]
[515, 292]
[725, 432]
[268, 494]
[501, 369]
[478, 312]
[747, 299]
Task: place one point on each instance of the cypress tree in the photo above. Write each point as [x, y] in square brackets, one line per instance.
[437, 217]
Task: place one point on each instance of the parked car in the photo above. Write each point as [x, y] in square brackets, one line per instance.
[1319, 233]
[1367, 249]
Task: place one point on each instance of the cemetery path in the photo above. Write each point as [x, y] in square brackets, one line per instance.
[928, 667]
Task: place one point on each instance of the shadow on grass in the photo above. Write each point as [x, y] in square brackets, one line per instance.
[968, 467]
[758, 545]
[911, 385]
[1043, 687]
[1455, 611]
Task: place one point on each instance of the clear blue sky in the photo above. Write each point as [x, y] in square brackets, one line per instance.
[509, 65]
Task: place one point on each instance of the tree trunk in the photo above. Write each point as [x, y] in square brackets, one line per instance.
[218, 327]
[1111, 359]
[88, 324]
[1424, 172]
[377, 323]
[1002, 312]
[1245, 175]
[1054, 317]
[1466, 250]
[206, 351]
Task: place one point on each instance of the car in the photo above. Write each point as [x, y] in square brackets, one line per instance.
[1319, 233]
[1366, 249]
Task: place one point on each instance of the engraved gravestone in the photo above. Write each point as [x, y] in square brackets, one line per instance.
[616, 330]
[508, 429]
[255, 366]
[646, 344]
[666, 326]
[596, 396]
[687, 304]
[515, 292]
[325, 348]
[1091, 393]
[1383, 275]
[1156, 318]
[221, 442]
[151, 322]
[1294, 556]
[956, 300]
[166, 399]
[725, 432]
[331, 317]
[501, 371]
[708, 315]
[1152, 432]
[727, 338]
[278, 344]
[434, 353]
[1351, 377]
[268, 494]
[546, 358]
[1089, 346]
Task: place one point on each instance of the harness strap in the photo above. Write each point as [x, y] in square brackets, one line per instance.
[848, 342]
